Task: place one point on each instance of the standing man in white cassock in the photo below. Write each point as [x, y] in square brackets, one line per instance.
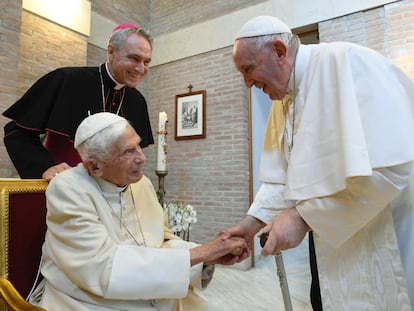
[341, 165]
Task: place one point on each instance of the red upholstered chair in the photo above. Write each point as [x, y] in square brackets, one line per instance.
[13, 300]
[22, 231]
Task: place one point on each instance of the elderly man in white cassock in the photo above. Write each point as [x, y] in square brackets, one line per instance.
[107, 245]
[337, 162]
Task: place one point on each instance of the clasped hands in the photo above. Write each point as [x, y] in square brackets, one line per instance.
[221, 250]
[286, 230]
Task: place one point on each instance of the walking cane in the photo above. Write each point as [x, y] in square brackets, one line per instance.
[281, 274]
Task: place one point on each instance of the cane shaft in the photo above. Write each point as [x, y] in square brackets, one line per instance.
[281, 273]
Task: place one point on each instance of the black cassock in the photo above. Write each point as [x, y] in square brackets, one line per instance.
[56, 104]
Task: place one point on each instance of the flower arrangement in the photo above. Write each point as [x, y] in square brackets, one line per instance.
[180, 217]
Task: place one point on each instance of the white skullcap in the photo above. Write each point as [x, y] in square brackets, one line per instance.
[94, 124]
[262, 26]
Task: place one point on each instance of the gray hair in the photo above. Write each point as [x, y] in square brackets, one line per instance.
[291, 40]
[119, 37]
[100, 146]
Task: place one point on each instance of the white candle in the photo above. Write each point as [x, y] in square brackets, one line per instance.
[162, 142]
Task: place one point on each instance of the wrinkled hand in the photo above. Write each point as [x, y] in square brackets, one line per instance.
[287, 230]
[246, 229]
[219, 251]
[54, 170]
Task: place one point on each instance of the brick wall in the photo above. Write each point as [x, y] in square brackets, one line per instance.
[364, 28]
[388, 29]
[10, 12]
[45, 46]
[172, 15]
[95, 56]
[211, 173]
[124, 11]
[400, 35]
[42, 46]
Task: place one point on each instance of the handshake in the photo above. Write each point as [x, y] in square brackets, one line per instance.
[220, 250]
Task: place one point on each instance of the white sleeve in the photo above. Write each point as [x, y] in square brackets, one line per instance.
[195, 270]
[149, 273]
[338, 217]
[268, 202]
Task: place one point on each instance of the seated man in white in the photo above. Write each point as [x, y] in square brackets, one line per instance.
[107, 245]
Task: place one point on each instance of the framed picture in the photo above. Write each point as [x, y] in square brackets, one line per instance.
[190, 115]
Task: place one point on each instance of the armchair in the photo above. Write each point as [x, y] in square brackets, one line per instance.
[22, 231]
[14, 301]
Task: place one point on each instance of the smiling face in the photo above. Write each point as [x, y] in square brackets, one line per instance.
[125, 165]
[131, 62]
[267, 68]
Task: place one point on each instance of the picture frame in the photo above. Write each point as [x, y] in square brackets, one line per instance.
[190, 115]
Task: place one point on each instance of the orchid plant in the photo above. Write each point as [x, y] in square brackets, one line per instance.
[180, 217]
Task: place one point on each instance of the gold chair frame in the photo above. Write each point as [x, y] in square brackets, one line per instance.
[12, 298]
[9, 187]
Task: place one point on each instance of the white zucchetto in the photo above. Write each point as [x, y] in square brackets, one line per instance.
[262, 26]
[94, 124]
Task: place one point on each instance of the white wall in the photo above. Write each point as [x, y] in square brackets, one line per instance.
[73, 14]
[259, 109]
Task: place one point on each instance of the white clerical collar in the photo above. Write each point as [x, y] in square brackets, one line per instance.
[118, 85]
[301, 63]
[109, 187]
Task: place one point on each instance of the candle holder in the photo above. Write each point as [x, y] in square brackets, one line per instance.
[161, 189]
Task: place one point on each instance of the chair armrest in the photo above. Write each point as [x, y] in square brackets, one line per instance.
[14, 301]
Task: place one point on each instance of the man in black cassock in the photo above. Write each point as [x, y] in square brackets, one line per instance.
[57, 103]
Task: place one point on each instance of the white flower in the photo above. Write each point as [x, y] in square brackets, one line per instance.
[180, 216]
